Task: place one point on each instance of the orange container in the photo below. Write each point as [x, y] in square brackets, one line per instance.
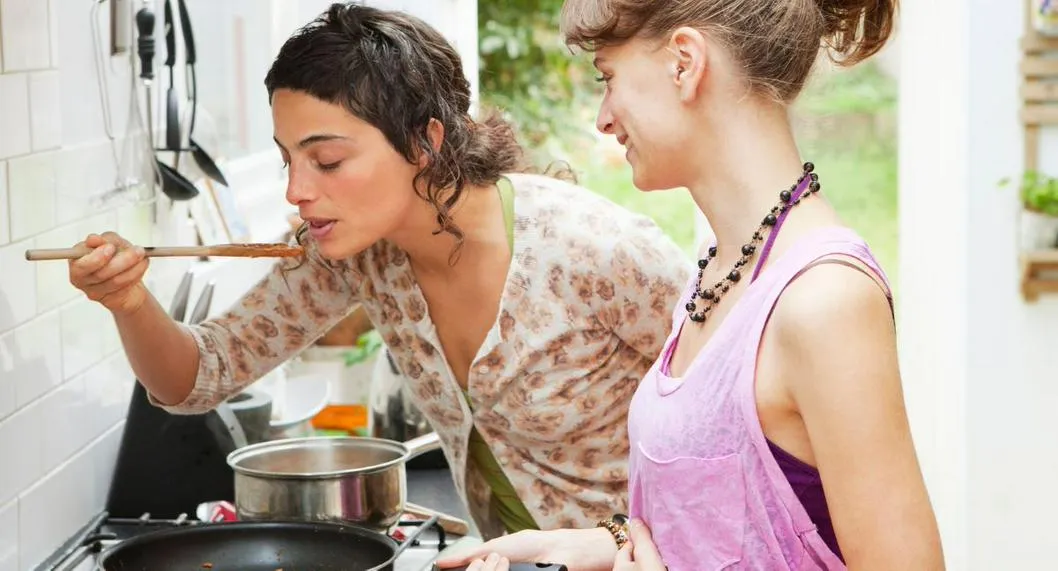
[351, 418]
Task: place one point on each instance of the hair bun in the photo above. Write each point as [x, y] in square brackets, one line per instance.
[856, 29]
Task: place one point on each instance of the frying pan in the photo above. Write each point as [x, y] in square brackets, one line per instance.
[268, 546]
[258, 546]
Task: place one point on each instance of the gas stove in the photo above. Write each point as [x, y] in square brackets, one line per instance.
[81, 552]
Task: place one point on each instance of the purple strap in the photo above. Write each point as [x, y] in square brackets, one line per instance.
[778, 222]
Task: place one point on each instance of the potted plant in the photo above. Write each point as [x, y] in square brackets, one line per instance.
[1045, 16]
[1039, 198]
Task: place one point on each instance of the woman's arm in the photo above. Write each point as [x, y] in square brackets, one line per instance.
[162, 355]
[161, 352]
[578, 549]
[836, 342]
[296, 303]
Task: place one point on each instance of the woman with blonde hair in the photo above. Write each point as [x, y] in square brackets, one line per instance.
[770, 434]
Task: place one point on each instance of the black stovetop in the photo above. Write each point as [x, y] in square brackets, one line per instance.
[103, 531]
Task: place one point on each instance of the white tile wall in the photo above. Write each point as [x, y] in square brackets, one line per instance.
[18, 290]
[78, 485]
[27, 45]
[31, 193]
[35, 354]
[45, 115]
[81, 343]
[20, 440]
[14, 114]
[9, 537]
[64, 383]
[5, 226]
[88, 171]
[8, 378]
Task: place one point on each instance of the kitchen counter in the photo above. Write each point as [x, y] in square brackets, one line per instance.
[433, 488]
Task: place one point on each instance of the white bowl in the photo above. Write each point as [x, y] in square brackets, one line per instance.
[303, 397]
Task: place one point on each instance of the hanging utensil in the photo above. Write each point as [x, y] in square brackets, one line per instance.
[174, 185]
[202, 158]
[172, 104]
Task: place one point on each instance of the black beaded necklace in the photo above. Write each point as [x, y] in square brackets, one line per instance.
[713, 295]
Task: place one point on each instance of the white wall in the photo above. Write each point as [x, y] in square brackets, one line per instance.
[64, 384]
[979, 363]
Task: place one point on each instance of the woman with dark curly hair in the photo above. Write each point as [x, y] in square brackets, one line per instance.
[522, 309]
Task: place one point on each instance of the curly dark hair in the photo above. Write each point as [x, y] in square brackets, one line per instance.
[396, 72]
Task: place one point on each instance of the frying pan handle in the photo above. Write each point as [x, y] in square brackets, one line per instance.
[412, 537]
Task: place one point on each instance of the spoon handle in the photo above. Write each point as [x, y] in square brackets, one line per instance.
[223, 250]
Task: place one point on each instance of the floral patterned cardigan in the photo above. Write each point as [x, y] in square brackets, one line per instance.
[587, 305]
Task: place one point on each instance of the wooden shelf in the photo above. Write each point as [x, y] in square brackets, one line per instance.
[1039, 109]
[1039, 89]
[1039, 273]
[1035, 42]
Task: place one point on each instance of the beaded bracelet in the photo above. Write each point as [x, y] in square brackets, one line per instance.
[617, 525]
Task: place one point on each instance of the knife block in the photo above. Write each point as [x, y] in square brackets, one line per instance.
[168, 464]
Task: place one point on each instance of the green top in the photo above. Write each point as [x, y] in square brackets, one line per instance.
[509, 507]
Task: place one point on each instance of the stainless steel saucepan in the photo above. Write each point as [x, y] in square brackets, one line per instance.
[355, 480]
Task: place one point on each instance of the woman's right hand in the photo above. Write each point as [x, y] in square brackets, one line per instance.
[577, 549]
[112, 273]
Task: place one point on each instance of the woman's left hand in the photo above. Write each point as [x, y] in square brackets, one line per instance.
[491, 563]
[640, 553]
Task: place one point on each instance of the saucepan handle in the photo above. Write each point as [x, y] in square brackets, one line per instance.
[422, 444]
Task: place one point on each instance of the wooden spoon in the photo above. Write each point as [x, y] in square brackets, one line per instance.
[223, 250]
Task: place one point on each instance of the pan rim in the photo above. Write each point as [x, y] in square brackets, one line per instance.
[255, 450]
[204, 527]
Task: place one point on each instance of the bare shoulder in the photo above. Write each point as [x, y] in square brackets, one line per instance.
[829, 302]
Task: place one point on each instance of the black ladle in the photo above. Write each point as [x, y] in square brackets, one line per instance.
[174, 185]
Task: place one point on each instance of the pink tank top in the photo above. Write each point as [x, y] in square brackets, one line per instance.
[701, 472]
